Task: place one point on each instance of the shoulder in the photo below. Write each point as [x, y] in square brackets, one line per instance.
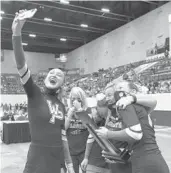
[139, 108]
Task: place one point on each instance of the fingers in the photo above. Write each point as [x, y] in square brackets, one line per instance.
[120, 105]
[17, 14]
[97, 131]
[83, 166]
[105, 152]
[110, 161]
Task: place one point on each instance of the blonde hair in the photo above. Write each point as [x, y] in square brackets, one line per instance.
[80, 94]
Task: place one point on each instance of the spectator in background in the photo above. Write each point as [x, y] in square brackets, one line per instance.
[166, 54]
[77, 133]
[151, 90]
[125, 77]
[20, 106]
[170, 87]
[8, 115]
[22, 115]
[155, 49]
[165, 87]
[10, 106]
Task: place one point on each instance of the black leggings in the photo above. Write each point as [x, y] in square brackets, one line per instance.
[42, 159]
[149, 163]
[121, 168]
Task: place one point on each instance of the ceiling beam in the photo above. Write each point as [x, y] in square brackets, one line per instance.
[42, 22]
[150, 2]
[95, 10]
[36, 43]
[75, 11]
[44, 35]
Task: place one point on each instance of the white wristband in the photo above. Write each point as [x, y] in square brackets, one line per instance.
[70, 165]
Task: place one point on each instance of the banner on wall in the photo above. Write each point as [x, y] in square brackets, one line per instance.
[73, 71]
[158, 48]
[62, 58]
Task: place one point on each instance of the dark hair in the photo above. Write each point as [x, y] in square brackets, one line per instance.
[132, 86]
[125, 77]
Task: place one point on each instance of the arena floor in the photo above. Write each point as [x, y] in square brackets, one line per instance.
[13, 156]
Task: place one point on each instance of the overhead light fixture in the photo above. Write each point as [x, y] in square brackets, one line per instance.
[2, 12]
[0, 18]
[32, 35]
[84, 25]
[24, 44]
[64, 1]
[47, 19]
[63, 39]
[106, 10]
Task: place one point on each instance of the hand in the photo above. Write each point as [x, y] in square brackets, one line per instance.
[70, 168]
[108, 155]
[102, 132]
[123, 102]
[71, 112]
[110, 161]
[77, 105]
[105, 153]
[84, 164]
[17, 24]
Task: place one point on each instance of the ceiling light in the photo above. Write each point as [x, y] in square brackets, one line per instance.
[2, 12]
[106, 10]
[47, 19]
[32, 35]
[84, 25]
[24, 44]
[0, 18]
[64, 1]
[63, 39]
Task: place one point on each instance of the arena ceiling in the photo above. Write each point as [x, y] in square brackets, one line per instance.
[64, 33]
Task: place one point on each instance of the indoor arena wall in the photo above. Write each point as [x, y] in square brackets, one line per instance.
[36, 62]
[124, 45]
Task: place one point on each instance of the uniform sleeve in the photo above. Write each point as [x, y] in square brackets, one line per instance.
[129, 116]
[131, 122]
[27, 81]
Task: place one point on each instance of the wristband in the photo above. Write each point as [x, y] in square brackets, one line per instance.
[70, 165]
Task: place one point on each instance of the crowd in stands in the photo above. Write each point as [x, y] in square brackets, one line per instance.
[153, 80]
[156, 79]
[17, 112]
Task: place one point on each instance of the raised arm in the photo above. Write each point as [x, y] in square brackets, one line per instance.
[147, 101]
[142, 99]
[20, 60]
[17, 26]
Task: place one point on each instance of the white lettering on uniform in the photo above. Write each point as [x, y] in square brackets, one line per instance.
[55, 112]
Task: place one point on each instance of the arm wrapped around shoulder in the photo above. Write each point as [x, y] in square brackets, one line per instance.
[135, 132]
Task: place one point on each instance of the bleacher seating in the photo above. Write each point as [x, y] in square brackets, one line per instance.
[151, 71]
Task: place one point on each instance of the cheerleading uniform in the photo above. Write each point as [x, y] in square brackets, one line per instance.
[46, 120]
